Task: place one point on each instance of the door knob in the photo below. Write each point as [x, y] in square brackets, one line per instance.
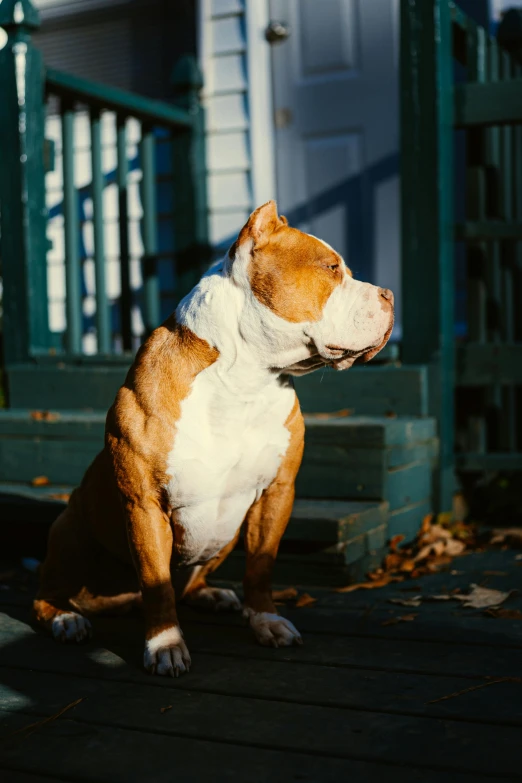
[276, 32]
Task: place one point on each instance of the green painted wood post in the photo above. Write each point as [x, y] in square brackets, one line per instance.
[151, 289]
[509, 36]
[23, 242]
[71, 221]
[122, 178]
[427, 214]
[191, 240]
[103, 320]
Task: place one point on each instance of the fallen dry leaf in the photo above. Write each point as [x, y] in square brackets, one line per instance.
[44, 416]
[390, 415]
[395, 541]
[438, 541]
[333, 415]
[435, 532]
[392, 561]
[438, 562]
[509, 535]
[166, 709]
[482, 597]
[504, 614]
[495, 573]
[454, 547]
[405, 618]
[415, 601]
[40, 481]
[60, 496]
[288, 594]
[423, 553]
[426, 524]
[368, 585]
[305, 600]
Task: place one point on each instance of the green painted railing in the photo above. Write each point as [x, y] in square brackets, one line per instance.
[461, 98]
[26, 87]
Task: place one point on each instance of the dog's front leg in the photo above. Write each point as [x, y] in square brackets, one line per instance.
[265, 524]
[150, 539]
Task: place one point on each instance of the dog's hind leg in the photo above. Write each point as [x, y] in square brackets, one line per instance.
[79, 578]
[61, 579]
[199, 594]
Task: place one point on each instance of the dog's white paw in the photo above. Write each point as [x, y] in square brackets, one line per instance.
[216, 599]
[71, 627]
[272, 630]
[167, 654]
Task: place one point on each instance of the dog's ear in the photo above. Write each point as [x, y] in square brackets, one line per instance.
[261, 225]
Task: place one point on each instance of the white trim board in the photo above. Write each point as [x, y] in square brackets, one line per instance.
[235, 61]
[259, 70]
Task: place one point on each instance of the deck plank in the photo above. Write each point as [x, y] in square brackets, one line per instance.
[98, 753]
[354, 701]
[382, 690]
[431, 743]
[122, 640]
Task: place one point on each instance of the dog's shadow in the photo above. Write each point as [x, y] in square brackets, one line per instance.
[39, 677]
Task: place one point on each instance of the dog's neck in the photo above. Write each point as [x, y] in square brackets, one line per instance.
[255, 346]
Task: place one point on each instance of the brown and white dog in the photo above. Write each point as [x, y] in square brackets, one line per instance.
[205, 434]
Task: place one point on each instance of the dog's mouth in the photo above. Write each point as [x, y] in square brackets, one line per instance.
[332, 356]
[337, 356]
[342, 358]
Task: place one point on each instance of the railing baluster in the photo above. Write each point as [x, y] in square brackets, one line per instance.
[508, 252]
[149, 230]
[126, 294]
[72, 236]
[493, 269]
[517, 248]
[475, 208]
[103, 333]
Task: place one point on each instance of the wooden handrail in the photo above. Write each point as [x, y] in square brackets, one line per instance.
[125, 104]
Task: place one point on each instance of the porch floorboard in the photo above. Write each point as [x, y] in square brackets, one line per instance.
[361, 700]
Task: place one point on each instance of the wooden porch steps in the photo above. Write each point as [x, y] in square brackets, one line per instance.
[329, 542]
[363, 479]
[375, 390]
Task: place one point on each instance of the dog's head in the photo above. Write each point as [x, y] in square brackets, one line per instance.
[302, 305]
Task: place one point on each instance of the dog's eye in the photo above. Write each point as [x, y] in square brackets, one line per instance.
[333, 267]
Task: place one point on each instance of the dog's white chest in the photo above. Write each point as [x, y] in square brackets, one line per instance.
[227, 450]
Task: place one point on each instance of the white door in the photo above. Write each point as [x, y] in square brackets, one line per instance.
[335, 88]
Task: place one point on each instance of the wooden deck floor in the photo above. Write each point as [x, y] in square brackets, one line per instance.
[355, 703]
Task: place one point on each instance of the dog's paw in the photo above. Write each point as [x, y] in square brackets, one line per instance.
[71, 627]
[272, 630]
[167, 654]
[214, 599]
